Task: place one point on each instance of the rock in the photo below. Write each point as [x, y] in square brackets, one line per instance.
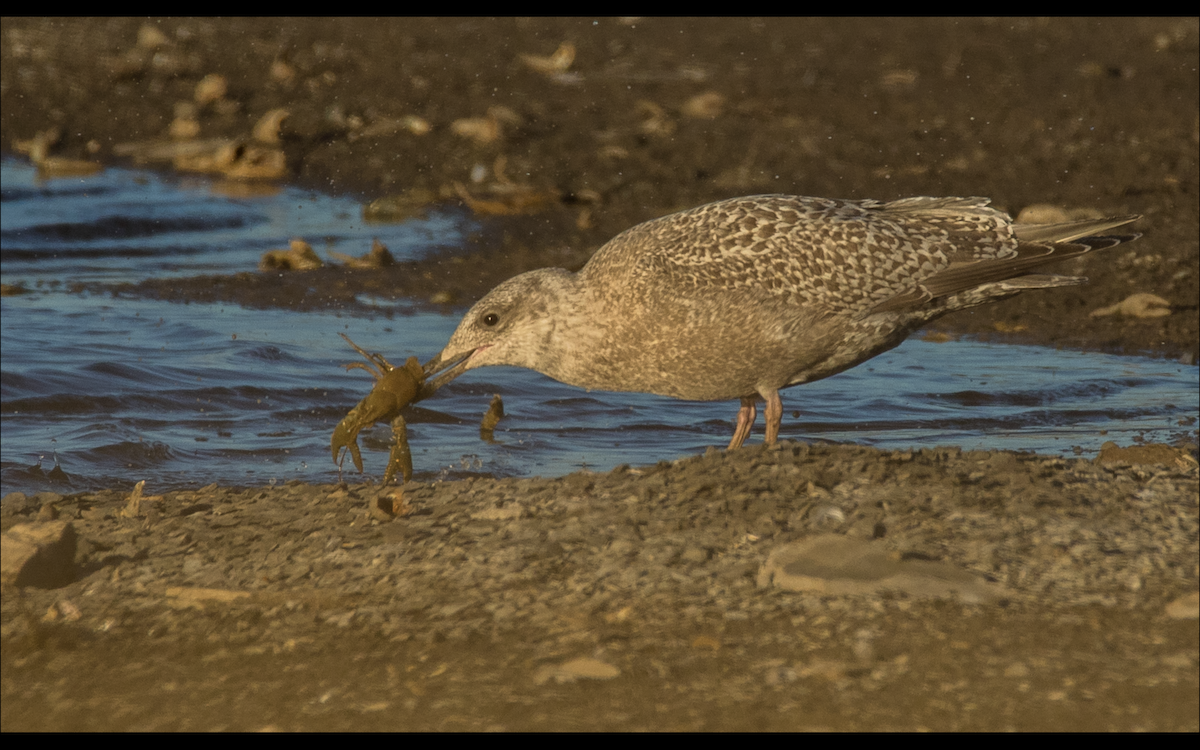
[183, 129]
[389, 504]
[149, 37]
[38, 147]
[57, 166]
[706, 106]
[575, 669]
[556, 63]
[1186, 607]
[181, 597]
[1141, 305]
[481, 130]
[840, 565]
[17, 502]
[1043, 213]
[1154, 453]
[298, 257]
[211, 88]
[378, 257]
[133, 506]
[410, 204]
[266, 130]
[38, 554]
[415, 124]
[255, 163]
[485, 130]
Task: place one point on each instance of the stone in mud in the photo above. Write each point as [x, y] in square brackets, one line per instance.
[841, 565]
[41, 555]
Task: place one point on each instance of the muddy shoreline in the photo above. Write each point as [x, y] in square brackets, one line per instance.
[642, 598]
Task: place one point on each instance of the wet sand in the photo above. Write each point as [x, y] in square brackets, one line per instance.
[637, 599]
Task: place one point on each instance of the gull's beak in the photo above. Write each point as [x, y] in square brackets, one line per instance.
[450, 368]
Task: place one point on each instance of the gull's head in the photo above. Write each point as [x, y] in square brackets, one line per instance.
[511, 325]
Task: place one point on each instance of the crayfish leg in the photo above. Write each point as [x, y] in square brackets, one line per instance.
[400, 457]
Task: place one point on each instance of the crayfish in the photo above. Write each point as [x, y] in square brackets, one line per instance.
[395, 388]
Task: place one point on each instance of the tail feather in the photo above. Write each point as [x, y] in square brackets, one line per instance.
[1069, 231]
[1039, 244]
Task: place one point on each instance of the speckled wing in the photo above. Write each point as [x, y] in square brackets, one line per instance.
[854, 257]
[843, 256]
[1036, 245]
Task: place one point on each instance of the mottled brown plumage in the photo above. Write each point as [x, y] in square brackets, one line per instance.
[741, 298]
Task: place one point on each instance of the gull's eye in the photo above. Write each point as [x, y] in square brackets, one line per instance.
[490, 319]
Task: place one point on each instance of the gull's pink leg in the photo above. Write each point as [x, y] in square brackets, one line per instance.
[745, 419]
[773, 416]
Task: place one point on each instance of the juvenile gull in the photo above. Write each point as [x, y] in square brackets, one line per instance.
[744, 297]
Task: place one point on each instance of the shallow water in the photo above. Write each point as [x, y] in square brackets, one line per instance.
[119, 390]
